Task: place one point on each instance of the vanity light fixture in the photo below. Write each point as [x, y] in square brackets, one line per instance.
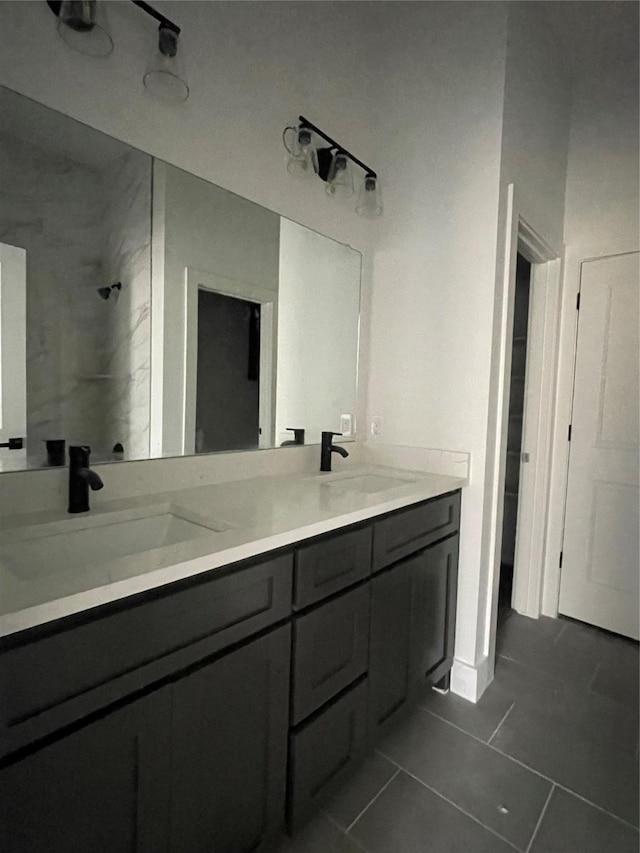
[332, 163]
[81, 24]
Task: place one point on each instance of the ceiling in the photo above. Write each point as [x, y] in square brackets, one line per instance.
[593, 34]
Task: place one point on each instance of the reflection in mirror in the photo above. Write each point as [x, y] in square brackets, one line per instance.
[77, 203]
[271, 311]
[254, 327]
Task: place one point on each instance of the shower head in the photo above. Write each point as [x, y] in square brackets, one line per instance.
[105, 292]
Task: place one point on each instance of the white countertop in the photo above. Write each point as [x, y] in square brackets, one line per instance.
[248, 517]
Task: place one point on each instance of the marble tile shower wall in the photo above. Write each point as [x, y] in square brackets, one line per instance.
[127, 259]
[51, 206]
[82, 228]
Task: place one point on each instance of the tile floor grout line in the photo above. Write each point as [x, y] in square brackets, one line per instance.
[455, 726]
[384, 787]
[509, 709]
[567, 790]
[560, 633]
[540, 819]
[593, 677]
[530, 769]
[451, 803]
[343, 832]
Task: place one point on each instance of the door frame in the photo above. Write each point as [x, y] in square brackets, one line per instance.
[537, 421]
[13, 353]
[194, 281]
[540, 385]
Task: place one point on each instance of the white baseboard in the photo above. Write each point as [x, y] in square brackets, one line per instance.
[469, 681]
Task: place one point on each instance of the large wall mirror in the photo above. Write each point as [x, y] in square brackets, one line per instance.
[146, 312]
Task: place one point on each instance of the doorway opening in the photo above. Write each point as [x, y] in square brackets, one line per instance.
[228, 373]
[515, 457]
[229, 366]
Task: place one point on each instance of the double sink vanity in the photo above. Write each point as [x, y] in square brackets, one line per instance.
[199, 669]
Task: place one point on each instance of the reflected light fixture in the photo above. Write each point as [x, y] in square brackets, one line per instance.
[81, 24]
[332, 163]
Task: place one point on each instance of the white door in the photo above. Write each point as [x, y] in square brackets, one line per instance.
[599, 580]
[13, 350]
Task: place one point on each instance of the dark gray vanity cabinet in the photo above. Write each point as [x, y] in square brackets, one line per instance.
[104, 788]
[390, 677]
[433, 606]
[412, 607]
[204, 715]
[229, 729]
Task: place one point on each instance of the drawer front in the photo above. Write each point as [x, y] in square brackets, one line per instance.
[410, 530]
[331, 649]
[322, 753]
[57, 679]
[328, 566]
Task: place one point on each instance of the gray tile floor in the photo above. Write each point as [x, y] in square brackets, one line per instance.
[546, 762]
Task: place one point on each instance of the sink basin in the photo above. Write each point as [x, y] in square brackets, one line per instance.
[79, 544]
[368, 483]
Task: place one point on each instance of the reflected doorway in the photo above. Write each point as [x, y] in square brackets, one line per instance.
[228, 373]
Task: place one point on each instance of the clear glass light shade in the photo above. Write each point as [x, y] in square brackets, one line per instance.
[369, 199]
[82, 25]
[299, 143]
[165, 77]
[340, 179]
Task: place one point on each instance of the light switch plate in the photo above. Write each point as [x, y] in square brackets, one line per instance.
[376, 426]
[345, 424]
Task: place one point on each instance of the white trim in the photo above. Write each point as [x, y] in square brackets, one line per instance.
[542, 345]
[13, 353]
[532, 246]
[499, 412]
[469, 681]
[195, 280]
[540, 387]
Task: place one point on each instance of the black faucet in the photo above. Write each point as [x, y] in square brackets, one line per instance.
[298, 437]
[328, 448]
[81, 479]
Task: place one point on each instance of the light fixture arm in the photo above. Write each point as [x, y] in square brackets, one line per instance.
[333, 144]
[164, 22]
[55, 5]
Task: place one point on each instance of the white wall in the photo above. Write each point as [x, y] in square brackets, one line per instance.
[218, 233]
[601, 219]
[318, 308]
[439, 133]
[537, 110]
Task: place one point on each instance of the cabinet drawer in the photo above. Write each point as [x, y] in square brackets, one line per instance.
[331, 565]
[54, 680]
[324, 751]
[331, 649]
[410, 530]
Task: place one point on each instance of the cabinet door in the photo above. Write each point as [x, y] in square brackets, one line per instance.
[229, 749]
[390, 646]
[433, 608]
[102, 788]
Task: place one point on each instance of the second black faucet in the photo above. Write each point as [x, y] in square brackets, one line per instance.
[81, 479]
[327, 448]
